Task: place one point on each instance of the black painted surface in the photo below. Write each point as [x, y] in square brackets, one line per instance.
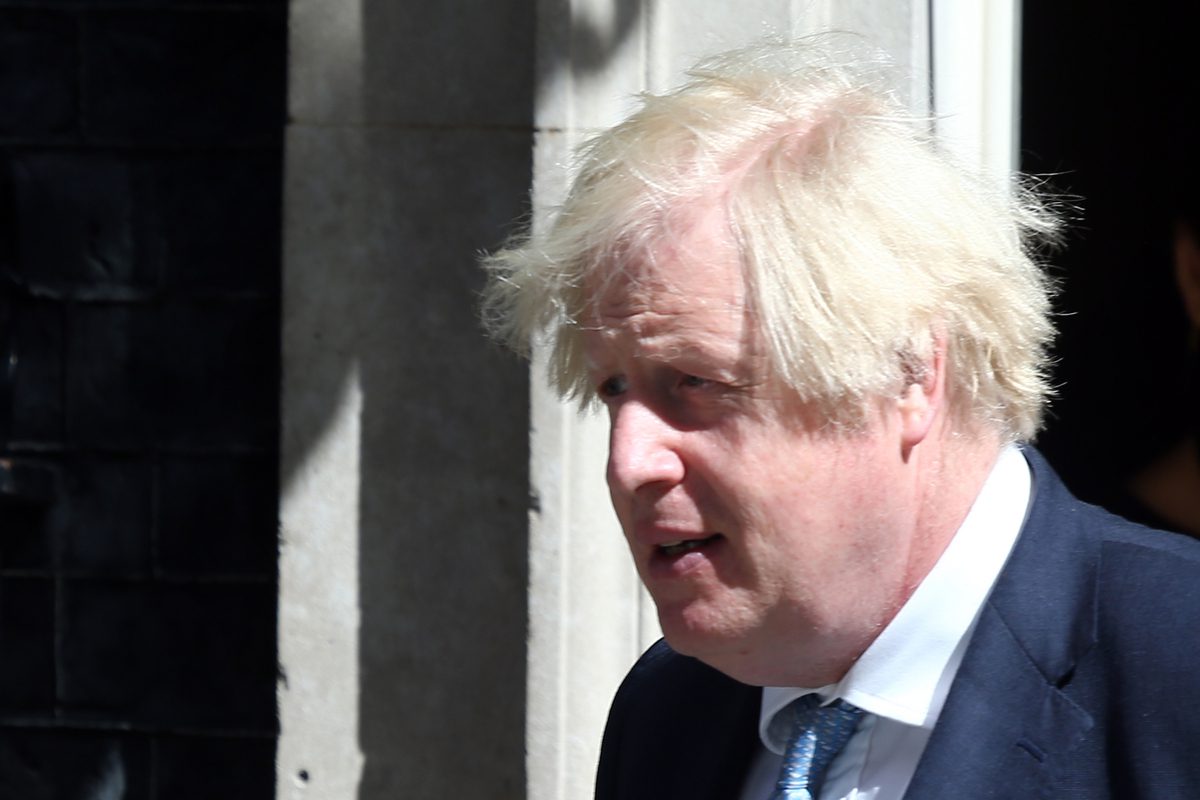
[194, 76]
[211, 512]
[39, 87]
[165, 655]
[27, 643]
[202, 768]
[140, 197]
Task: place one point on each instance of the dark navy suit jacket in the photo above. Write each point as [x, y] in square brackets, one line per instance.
[1082, 680]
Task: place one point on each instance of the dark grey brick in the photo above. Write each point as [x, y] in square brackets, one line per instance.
[33, 359]
[119, 226]
[106, 380]
[25, 541]
[102, 521]
[29, 487]
[218, 516]
[64, 764]
[77, 224]
[190, 655]
[185, 76]
[198, 374]
[203, 768]
[9, 263]
[26, 646]
[217, 373]
[217, 222]
[38, 73]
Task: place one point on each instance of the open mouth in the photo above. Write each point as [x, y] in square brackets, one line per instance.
[686, 545]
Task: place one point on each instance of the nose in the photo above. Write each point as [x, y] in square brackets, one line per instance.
[642, 450]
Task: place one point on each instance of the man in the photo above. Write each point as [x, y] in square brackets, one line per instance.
[818, 342]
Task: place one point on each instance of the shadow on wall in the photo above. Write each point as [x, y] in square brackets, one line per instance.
[438, 173]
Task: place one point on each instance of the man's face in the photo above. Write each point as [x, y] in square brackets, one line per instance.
[772, 548]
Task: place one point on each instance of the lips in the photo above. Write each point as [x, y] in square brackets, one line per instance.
[673, 558]
[682, 546]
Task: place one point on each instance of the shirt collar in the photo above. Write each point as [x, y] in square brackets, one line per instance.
[906, 672]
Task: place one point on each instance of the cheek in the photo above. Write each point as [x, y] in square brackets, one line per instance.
[806, 505]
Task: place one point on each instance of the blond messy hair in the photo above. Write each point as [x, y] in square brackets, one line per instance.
[861, 244]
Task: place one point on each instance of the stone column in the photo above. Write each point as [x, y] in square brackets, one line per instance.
[403, 559]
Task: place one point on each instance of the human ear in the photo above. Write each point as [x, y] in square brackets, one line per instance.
[922, 398]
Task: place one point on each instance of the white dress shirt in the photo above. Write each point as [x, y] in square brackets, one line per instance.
[901, 681]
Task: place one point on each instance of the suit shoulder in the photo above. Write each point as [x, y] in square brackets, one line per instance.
[1149, 584]
[662, 676]
[677, 723]
[1146, 576]
[1054, 507]
[1159, 545]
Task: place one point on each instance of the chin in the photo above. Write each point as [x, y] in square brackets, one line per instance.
[712, 638]
[746, 648]
[731, 657]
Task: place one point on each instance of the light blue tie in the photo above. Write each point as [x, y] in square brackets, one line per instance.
[818, 734]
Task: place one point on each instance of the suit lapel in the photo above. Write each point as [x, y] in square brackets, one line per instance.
[1004, 727]
[1007, 724]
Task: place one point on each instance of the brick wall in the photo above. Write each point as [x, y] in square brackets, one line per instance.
[140, 172]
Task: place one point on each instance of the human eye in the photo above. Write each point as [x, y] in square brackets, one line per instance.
[687, 381]
[692, 382]
[612, 386]
[705, 389]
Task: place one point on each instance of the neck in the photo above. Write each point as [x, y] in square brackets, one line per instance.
[947, 479]
[952, 480]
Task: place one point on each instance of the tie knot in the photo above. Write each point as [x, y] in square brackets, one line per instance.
[818, 733]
